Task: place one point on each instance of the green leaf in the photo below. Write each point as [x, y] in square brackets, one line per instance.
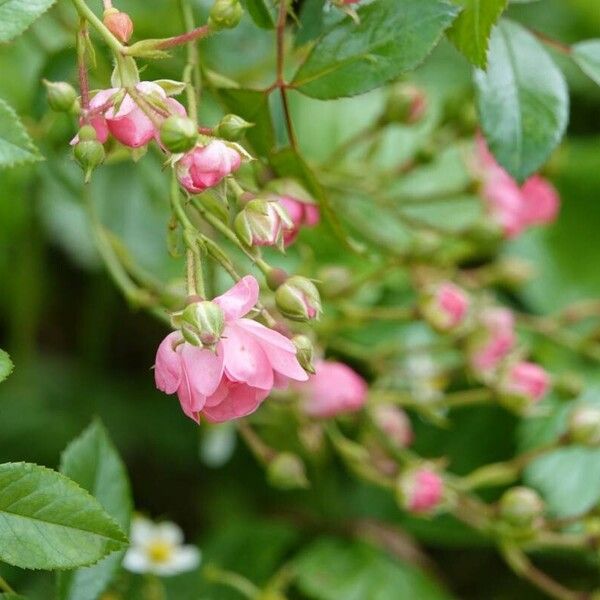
[16, 146]
[6, 365]
[523, 100]
[393, 36]
[11, 597]
[587, 56]
[17, 15]
[253, 106]
[263, 13]
[331, 569]
[93, 462]
[49, 522]
[310, 21]
[470, 33]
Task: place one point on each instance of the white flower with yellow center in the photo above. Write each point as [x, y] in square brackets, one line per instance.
[158, 548]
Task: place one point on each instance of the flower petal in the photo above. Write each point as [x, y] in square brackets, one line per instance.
[169, 532]
[204, 368]
[241, 400]
[167, 366]
[240, 299]
[137, 561]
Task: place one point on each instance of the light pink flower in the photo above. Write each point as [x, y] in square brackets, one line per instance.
[334, 389]
[515, 208]
[205, 166]
[302, 214]
[495, 339]
[249, 361]
[421, 490]
[446, 307]
[527, 380]
[394, 423]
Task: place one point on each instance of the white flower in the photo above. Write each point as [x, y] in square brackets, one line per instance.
[158, 549]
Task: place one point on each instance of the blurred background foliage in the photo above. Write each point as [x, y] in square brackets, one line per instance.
[81, 351]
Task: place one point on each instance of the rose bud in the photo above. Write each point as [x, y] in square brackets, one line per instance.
[178, 134]
[406, 104]
[523, 385]
[304, 352]
[225, 14]
[119, 24]
[88, 151]
[62, 96]
[202, 324]
[298, 299]
[301, 214]
[286, 472]
[261, 223]
[584, 426]
[521, 507]
[232, 127]
[420, 490]
[394, 423]
[445, 306]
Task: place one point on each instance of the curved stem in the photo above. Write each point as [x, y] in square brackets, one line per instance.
[86, 13]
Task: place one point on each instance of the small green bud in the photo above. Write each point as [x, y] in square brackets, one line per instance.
[406, 104]
[261, 223]
[298, 299]
[88, 152]
[202, 324]
[178, 134]
[62, 97]
[304, 352]
[225, 14]
[521, 507]
[232, 127]
[584, 426]
[286, 471]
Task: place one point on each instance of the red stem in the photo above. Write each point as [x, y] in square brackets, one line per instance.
[184, 38]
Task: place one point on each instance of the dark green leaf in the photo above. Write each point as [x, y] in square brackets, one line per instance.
[16, 146]
[470, 33]
[6, 365]
[93, 462]
[263, 12]
[587, 56]
[523, 100]
[17, 15]
[331, 569]
[393, 36]
[49, 522]
[310, 21]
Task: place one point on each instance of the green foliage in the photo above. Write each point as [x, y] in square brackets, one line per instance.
[471, 31]
[263, 12]
[16, 146]
[587, 56]
[17, 15]
[49, 522]
[6, 365]
[331, 569]
[523, 100]
[393, 36]
[93, 462]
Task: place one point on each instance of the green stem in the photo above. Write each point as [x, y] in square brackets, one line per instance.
[191, 72]
[83, 9]
[234, 580]
[5, 587]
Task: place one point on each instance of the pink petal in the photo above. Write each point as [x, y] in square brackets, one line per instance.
[186, 397]
[240, 299]
[204, 368]
[312, 215]
[134, 130]
[241, 400]
[541, 201]
[167, 368]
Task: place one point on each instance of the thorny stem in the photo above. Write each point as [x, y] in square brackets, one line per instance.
[280, 83]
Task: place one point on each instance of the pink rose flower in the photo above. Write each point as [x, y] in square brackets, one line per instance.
[394, 423]
[302, 214]
[446, 307]
[421, 490]
[249, 360]
[334, 389]
[205, 166]
[528, 381]
[494, 340]
[515, 208]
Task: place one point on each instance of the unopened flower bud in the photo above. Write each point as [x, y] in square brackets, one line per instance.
[394, 423]
[62, 96]
[523, 385]
[119, 24]
[88, 151]
[178, 134]
[225, 14]
[286, 472]
[445, 306]
[202, 323]
[261, 223]
[420, 490]
[406, 104]
[584, 426]
[304, 352]
[521, 507]
[232, 128]
[298, 299]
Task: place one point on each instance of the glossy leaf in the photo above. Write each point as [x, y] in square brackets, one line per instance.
[331, 569]
[16, 146]
[49, 522]
[6, 365]
[470, 33]
[393, 36]
[522, 99]
[263, 13]
[587, 56]
[93, 462]
[17, 15]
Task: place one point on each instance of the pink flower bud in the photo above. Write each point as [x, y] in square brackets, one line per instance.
[446, 306]
[261, 223]
[302, 214]
[394, 423]
[119, 24]
[420, 490]
[205, 166]
[523, 385]
[334, 389]
[492, 341]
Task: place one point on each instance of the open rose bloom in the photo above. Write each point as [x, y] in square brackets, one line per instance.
[231, 382]
[513, 207]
